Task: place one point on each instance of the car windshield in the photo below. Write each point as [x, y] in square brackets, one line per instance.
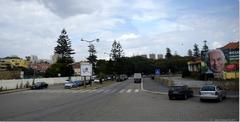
[176, 88]
[208, 88]
[38, 83]
[69, 82]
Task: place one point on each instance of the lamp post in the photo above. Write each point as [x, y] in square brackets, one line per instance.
[89, 45]
[97, 40]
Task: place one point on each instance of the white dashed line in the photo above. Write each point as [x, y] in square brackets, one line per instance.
[136, 90]
[129, 90]
[122, 91]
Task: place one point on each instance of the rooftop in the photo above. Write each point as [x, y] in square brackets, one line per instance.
[232, 45]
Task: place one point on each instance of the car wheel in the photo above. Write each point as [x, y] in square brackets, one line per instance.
[185, 96]
[170, 98]
[220, 99]
[201, 100]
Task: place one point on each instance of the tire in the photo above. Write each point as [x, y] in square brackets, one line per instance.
[185, 96]
[170, 98]
[220, 99]
[201, 100]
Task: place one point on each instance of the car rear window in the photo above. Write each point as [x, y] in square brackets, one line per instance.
[176, 88]
[208, 88]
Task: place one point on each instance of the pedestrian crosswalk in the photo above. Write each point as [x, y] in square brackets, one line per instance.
[69, 91]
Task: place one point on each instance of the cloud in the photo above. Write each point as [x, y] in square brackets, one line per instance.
[217, 44]
[68, 8]
[129, 36]
[141, 26]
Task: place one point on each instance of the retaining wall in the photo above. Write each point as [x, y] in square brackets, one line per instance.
[232, 85]
[11, 84]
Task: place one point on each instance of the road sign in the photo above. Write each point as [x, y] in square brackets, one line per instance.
[86, 69]
[157, 72]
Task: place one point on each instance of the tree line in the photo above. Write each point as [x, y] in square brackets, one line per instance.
[118, 63]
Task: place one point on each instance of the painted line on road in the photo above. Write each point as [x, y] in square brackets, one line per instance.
[129, 90]
[136, 90]
[106, 91]
[122, 91]
[99, 91]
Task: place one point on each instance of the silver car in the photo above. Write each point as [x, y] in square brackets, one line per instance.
[212, 92]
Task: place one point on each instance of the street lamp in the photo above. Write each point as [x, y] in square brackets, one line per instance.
[89, 45]
[97, 40]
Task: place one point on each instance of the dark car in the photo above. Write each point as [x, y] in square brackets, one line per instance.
[78, 82]
[183, 92]
[39, 85]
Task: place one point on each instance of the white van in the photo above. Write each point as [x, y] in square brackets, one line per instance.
[137, 77]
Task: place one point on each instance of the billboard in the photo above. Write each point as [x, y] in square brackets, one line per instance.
[218, 64]
[157, 72]
[86, 69]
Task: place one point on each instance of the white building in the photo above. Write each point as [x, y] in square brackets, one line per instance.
[160, 56]
[152, 56]
[33, 59]
[55, 57]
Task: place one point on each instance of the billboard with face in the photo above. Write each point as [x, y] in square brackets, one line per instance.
[219, 66]
[215, 60]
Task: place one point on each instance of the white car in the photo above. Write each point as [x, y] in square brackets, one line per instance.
[69, 84]
[212, 92]
[96, 81]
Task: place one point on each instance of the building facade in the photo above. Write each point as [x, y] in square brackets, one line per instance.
[152, 56]
[231, 52]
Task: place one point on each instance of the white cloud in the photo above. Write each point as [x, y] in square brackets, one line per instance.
[140, 26]
[129, 36]
[217, 44]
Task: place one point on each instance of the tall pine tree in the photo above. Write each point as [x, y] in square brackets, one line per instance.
[92, 57]
[168, 53]
[62, 67]
[117, 51]
[196, 52]
[64, 48]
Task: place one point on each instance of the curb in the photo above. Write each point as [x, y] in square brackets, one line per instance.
[12, 91]
[166, 93]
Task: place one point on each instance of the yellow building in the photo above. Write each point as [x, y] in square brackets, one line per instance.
[17, 62]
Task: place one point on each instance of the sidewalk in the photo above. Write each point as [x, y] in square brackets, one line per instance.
[154, 86]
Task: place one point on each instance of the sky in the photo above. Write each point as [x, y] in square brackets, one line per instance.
[32, 27]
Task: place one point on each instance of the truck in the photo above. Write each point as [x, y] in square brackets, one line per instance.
[137, 77]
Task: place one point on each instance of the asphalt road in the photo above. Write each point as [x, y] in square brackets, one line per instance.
[120, 101]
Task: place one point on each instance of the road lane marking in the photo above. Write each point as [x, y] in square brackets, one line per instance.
[106, 91]
[129, 90]
[122, 91]
[136, 90]
[99, 91]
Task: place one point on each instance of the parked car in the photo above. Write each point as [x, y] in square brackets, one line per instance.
[70, 84]
[39, 85]
[123, 77]
[212, 92]
[137, 77]
[179, 91]
[78, 82]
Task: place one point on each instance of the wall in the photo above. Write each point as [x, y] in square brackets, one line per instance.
[11, 84]
[232, 85]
